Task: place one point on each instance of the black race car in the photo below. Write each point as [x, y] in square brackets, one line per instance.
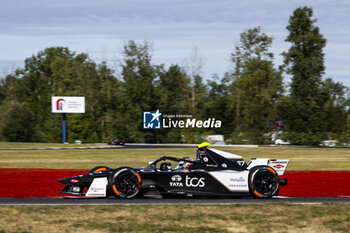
[213, 173]
[116, 142]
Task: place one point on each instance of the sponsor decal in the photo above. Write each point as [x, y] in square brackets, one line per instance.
[195, 182]
[240, 179]
[96, 189]
[96, 194]
[278, 166]
[76, 189]
[205, 159]
[237, 185]
[240, 163]
[189, 181]
[224, 165]
[176, 184]
[176, 178]
[74, 180]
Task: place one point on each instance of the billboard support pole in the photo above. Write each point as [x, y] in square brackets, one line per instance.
[64, 128]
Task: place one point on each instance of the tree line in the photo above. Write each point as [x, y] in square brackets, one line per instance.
[247, 100]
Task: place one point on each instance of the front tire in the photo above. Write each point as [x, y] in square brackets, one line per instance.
[263, 182]
[124, 182]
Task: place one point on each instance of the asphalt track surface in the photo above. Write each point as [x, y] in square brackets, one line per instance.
[172, 201]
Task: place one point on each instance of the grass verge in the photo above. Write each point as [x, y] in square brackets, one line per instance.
[301, 158]
[333, 217]
[32, 145]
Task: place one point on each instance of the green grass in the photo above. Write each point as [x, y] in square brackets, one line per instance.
[31, 145]
[301, 158]
[177, 218]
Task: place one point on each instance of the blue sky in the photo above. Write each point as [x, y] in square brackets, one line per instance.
[175, 28]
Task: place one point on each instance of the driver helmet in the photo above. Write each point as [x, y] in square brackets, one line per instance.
[183, 164]
[186, 163]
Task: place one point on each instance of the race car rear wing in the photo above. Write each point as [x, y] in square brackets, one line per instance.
[279, 165]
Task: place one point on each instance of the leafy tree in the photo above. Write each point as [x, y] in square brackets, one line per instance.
[18, 122]
[8, 87]
[200, 90]
[336, 106]
[220, 105]
[174, 93]
[257, 85]
[194, 66]
[345, 137]
[138, 89]
[304, 111]
[174, 98]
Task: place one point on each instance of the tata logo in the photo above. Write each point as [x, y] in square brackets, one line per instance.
[194, 182]
[151, 120]
[176, 184]
[176, 178]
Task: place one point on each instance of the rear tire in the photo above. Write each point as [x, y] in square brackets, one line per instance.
[99, 169]
[124, 182]
[263, 182]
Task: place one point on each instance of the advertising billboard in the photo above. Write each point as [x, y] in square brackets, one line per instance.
[67, 104]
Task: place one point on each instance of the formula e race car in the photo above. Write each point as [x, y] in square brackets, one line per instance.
[213, 173]
[116, 142]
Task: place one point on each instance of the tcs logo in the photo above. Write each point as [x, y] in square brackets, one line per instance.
[195, 182]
